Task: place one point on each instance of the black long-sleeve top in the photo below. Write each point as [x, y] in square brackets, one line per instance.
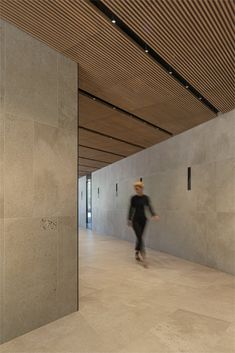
[137, 208]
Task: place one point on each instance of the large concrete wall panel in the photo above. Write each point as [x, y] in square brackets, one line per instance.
[197, 225]
[38, 183]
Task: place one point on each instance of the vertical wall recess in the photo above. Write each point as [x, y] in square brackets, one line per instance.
[141, 179]
[116, 189]
[98, 193]
[189, 179]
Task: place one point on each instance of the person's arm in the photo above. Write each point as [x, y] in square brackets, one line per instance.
[150, 207]
[131, 211]
[154, 215]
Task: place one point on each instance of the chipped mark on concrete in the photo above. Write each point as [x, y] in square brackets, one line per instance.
[48, 224]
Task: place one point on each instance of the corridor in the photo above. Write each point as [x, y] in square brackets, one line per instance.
[174, 306]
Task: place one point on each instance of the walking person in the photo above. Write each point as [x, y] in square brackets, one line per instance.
[137, 218]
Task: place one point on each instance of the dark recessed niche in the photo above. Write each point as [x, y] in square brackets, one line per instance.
[98, 192]
[141, 179]
[116, 189]
[189, 179]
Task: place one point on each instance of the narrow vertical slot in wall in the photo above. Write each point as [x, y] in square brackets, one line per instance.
[189, 179]
[116, 189]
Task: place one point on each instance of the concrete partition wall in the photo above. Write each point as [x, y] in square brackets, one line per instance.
[82, 202]
[198, 225]
[38, 184]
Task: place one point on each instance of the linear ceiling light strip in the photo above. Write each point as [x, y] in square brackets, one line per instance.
[110, 137]
[130, 115]
[97, 149]
[152, 53]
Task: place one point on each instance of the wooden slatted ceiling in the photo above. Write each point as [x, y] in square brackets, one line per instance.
[195, 37]
[113, 68]
[133, 81]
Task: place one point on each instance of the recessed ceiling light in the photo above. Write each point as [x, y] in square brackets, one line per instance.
[200, 98]
[93, 98]
[113, 21]
[146, 51]
[170, 72]
[187, 86]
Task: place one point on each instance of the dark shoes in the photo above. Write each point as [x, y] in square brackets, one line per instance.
[137, 256]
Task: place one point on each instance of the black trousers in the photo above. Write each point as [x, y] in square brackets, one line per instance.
[139, 226]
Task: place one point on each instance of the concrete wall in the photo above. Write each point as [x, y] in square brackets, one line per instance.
[38, 185]
[82, 202]
[198, 225]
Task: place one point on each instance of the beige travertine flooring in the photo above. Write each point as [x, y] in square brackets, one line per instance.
[174, 306]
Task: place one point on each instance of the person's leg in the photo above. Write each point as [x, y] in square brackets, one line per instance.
[142, 246]
[138, 231]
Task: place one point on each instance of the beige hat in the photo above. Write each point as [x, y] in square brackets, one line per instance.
[140, 184]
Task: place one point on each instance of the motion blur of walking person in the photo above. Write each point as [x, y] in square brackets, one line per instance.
[137, 218]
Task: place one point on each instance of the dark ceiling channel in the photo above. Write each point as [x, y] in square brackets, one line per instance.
[110, 137]
[94, 160]
[97, 149]
[130, 115]
[152, 53]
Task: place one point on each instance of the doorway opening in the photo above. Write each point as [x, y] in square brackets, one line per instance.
[88, 202]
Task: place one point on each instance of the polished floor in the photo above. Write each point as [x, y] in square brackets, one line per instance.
[174, 306]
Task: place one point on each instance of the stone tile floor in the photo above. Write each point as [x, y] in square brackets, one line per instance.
[174, 306]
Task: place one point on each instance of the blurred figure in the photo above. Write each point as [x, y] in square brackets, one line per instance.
[137, 218]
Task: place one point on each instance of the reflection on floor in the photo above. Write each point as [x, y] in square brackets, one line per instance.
[174, 306]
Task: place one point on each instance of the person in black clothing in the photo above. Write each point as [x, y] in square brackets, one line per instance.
[137, 218]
